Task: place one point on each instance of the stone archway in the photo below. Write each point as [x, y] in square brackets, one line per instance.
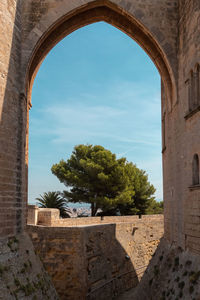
[42, 38]
[43, 24]
[93, 12]
[33, 27]
[168, 31]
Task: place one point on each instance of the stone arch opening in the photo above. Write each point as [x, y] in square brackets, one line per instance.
[97, 11]
[134, 70]
[108, 12]
[43, 38]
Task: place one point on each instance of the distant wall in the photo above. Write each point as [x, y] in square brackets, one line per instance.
[51, 217]
[97, 262]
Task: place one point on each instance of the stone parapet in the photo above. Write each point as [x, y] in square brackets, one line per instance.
[51, 217]
[111, 258]
[32, 217]
[48, 216]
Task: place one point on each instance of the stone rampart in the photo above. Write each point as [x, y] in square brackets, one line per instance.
[51, 217]
[167, 30]
[29, 29]
[89, 260]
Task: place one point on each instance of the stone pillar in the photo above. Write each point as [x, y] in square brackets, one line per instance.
[12, 109]
[32, 218]
[48, 216]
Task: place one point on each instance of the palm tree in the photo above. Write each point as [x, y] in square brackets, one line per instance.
[54, 200]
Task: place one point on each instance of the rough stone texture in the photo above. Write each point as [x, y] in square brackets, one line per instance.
[189, 56]
[183, 140]
[29, 29]
[98, 261]
[171, 274]
[12, 122]
[22, 275]
[48, 216]
[169, 31]
[32, 215]
[51, 217]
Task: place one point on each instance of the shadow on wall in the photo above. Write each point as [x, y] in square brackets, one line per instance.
[85, 262]
[12, 124]
[171, 274]
[112, 272]
[156, 277]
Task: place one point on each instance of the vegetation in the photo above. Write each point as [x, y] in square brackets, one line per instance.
[94, 175]
[155, 207]
[54, 200]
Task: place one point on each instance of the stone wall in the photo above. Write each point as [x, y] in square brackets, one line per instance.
[32, 215]
[171, 274]
[12, 122]
[167, 30]
[188, 205]
[182, 208]
[51, 217]
[97, 261]
[22, 275]
[28, 31]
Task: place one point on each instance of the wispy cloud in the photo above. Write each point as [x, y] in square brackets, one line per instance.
[108, 96]
[81, 120]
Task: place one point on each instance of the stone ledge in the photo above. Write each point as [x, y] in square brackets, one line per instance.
[189, 114]
[194, 187]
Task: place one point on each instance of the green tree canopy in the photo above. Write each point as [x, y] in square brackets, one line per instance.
[143, 192]
[54, 200]
[155, 208]
[94, 175]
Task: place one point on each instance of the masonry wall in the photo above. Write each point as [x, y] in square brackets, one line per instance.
[22, 275]
[51, 217]
[158, 19]
[182, 138]
[23, 25]
[12, 122]
[97, 261]
[189, 57]
[173, 27]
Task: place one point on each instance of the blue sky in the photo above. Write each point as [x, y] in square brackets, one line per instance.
[96, 86]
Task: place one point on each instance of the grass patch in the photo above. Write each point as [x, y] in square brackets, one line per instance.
[177, 279]
[176, 261]
[181, 285]
[180, 294]
[30, 263]
[28, 289]
[185, 273]
[188, 263]
[17, 282]
[23, 270]
[194, 276]
[191, 289]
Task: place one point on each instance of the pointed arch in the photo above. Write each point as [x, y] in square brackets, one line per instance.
[102, 11]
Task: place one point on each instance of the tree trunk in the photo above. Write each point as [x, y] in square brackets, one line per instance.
[94, 209]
